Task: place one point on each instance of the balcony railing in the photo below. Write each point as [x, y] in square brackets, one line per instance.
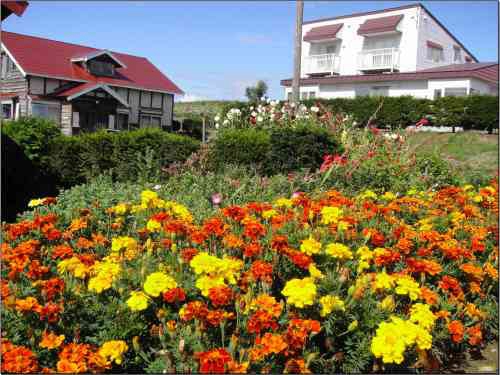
[379, 59]
[326, 63]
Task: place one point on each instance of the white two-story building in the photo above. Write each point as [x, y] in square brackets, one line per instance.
[391, 52]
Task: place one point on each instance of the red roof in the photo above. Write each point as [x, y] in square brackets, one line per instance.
[50, 58]
[323, 32]
[380, 25]
[484, 71]
[16, 7]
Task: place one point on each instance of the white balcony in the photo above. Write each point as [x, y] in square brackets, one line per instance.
[379, 59]
[326, 63]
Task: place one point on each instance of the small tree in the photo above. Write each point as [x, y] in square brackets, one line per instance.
[254, 94]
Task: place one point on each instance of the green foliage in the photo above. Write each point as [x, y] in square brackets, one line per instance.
[33, 135]
[125, 155]
[478, 112]
[298, 148]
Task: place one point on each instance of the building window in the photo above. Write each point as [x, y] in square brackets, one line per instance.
[457, 55]
[455, 91]
[435, 54]
[289, 96]
[7, 112]
[101, 68]
[122, 121]
[150, 121]
[474, 92]
[312, 94]
[303, 96]
[438, 93]
[47, 111]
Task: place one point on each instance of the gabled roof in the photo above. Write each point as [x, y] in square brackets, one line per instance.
[17, 7]
[50, 58]
[403, 7]
[92, 55]
[484, 71]
[84, 88]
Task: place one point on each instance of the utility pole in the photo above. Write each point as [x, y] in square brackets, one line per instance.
[297, 54]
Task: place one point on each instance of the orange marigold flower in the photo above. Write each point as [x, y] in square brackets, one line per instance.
[491, 271]
[188, 254]
[429, 296]
[51, 340]
[36, 270]
[220, 295]
[84, 243]
[216, 317]
[271, 343]
[475, 335]
[27, 304]
[456, 329]
[252, 249]
[232, 242]
[262, 271]
[472, 270]
[253, 229]
[62, 252]
[193, 310]
[214, 226]
[234, 367]
[424, 266]
[236, 213]
[18, 359]
[213, 361]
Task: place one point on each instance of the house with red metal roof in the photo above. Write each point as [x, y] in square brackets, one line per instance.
[82, 88]
[398, 51]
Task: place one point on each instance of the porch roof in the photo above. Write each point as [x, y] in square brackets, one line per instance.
[84, 88]
[380, 25]
[323, 32]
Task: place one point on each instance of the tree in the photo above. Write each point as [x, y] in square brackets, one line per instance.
[255, 93]
[299, 17]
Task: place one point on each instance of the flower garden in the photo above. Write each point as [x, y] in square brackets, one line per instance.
[376, 261]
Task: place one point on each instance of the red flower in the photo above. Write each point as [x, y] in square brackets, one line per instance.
[188, 254]
[262, 271]
[456, 329]
[220, 295]
[252, 249]
[174, 295]
[213, 361]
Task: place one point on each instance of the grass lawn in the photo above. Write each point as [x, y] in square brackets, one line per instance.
[468, 151]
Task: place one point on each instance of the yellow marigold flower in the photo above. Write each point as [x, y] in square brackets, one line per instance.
[300, 292]
[352, 326]
[149, 197]
[387, 303]
[310, 246]
[137, 301]
[268, 214]
[51, 340]
[75, 266]
[330, 215]
[283, 202]
[343, 225]
[329, 304]
[157, 283]
[153, 226]
[368, 194]
[364, 253]
[388, 196]
[123, 243]
[383, 281]
[204, 263]
[468, 187]
[315, 272]
[205, 283]
[120, 209]
[338, 250]
[363, 265]
[100, 283]
[113, 351]
[36, 202]
[406, 285]
[421, 313]
[387, 343]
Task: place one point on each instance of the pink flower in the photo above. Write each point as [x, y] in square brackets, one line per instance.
[422, 122]
[216, 199]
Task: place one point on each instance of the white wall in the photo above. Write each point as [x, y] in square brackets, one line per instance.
[482, 87]
[430, 30]
[351, 43]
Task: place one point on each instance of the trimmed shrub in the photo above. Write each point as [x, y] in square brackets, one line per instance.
[125, 155]
[478, 112]
[298, 148]
[279, 150]
[33, 134]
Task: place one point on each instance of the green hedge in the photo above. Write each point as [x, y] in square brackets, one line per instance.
[126, 155]
[478, 112]
[280, 150]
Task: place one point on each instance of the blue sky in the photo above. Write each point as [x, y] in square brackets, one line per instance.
[213, 50]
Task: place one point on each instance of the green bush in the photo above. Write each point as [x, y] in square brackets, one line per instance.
[478, 112]
[279, 150]
[240, 146]
[298, 148]
[125, 155]
[33, 135]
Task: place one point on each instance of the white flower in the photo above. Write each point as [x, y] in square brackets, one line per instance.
[217, 118]
[292, 105]
[157, 187]
[272, 116]
[260, 119]
[251, 108]
[217, 125]
[254, 113]
[314, 109]
[226, 122]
